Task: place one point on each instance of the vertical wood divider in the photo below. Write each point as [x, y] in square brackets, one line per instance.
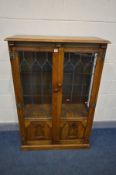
[58, 63]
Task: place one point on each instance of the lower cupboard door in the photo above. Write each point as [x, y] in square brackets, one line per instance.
[72, 130]
[39, 131]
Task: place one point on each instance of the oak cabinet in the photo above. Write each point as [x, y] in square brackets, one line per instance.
[56, 82]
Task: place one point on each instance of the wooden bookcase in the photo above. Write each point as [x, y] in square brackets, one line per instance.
[56, 82]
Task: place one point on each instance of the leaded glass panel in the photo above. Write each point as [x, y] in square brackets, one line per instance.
[36, 79]
[78, 72]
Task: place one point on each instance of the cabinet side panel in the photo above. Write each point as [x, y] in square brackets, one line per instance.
[18, 90]
[94, 91]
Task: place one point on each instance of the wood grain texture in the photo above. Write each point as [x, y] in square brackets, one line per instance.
[74, 39]
[74, 111]
[38, 111]
[39, 130]
[94, 92]
[56, 126]
[57, 92]
[55, 146]
[71, 130]
[18, 92]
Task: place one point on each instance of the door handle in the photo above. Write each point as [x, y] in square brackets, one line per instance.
[56, 90]
[59, 86]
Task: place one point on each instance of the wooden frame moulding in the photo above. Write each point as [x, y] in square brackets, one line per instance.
[58, 48]
[94, 92]
[18, 91]
[57, 91]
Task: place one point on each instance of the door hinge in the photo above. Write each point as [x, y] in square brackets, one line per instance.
[101, 55]
[12, 55]
[93, 105]
[11, 44]
[19, 105]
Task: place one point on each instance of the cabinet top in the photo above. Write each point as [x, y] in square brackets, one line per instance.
[66, 39]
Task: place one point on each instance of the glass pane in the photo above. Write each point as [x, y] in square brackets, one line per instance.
[36, 78]
[78, 73]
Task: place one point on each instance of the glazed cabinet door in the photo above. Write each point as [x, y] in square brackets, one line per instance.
[78, 74]
[56, 90]
[34, 74]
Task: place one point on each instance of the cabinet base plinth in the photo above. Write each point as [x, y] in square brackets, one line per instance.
[54, 147]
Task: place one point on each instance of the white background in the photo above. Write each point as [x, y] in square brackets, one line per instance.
[59, 17]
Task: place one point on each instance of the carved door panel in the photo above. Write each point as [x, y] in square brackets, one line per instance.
[72, 130]
[39, 130]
